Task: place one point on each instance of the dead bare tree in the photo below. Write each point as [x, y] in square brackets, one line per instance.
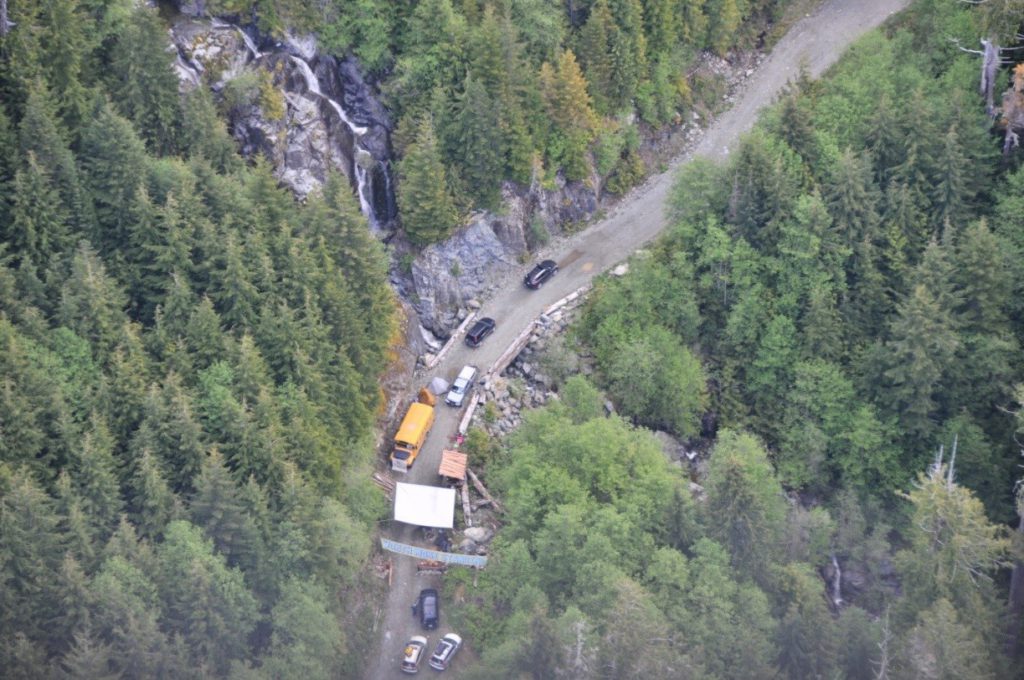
[1012, 109]
[882, 670]
[5, 25]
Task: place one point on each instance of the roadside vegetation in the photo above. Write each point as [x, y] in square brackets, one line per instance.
[841, 305]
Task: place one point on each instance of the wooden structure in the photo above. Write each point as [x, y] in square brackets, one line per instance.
[453, 465]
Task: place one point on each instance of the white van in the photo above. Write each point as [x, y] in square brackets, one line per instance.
[461, 387]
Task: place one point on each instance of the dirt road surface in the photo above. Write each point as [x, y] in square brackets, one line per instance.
[815, 42]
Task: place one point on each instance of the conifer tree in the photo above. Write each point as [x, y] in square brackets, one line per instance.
[745, 508]
[114, 160]
[32, 554]
[918, 354]
[170, 432]
[724, 18]
[38, 231]
[662, 25]
[125, 392]
[232, 288]
[40, 134]
[88, 658]
[75, 599]
[806, 638]
[64, 53]
[152, 504]
[144, 85]
[203, 600]
[564, 92]
[694, 24]
[217, 508]
[94, 474]
[951, 193]
[984, 276]
[78, 531]
[204, 134]
[479, 143]
[92, 304]
[954, 553]
[593, 46]
[428, 211]
[125, 612]
[628, 47]
[853, 199]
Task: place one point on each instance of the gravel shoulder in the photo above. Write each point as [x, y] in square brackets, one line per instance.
[815, 43]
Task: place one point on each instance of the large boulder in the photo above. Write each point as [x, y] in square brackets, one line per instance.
[479, 534]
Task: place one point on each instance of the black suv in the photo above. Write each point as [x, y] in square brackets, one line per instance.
[428, 607]
[480, 330]
[540, 274]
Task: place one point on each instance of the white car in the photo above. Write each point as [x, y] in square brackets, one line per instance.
[413, 654]
[461, 387]
[445, 651]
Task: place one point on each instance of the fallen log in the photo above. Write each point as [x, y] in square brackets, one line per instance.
[467, 513]
[478, 485]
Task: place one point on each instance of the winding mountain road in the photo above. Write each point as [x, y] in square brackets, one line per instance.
[815, 42]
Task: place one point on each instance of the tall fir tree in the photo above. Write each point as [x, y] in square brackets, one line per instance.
[428, 211]
[114, 161]
[143, 82]
[480, 143]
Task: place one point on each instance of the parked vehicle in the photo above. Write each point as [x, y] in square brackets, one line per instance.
[480, 330]
[445, 651]
[461, 387]
[413, 654]
[539, 275]
[428, 608]
[413, 432]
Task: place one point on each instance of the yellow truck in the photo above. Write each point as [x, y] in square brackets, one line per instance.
[413, 432]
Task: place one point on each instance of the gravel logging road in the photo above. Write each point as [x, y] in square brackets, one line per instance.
[816, 42]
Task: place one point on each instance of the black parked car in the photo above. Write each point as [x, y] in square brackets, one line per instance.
[540, 274]
[480, 330]
[428, 607]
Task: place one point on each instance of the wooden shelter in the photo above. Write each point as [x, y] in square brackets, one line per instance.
[453, 465]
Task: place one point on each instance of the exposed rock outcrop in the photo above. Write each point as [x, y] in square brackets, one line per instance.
[446, 276]
[310, 114]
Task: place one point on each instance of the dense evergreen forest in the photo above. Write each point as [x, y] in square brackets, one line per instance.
[836, 306]
[190, 358]
[188, 375]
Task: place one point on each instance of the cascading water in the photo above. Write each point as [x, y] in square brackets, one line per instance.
[362, 186]
[217, 23]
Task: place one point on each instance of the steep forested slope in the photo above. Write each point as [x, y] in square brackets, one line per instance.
[521, 90]
[188, 374]
[847, 289]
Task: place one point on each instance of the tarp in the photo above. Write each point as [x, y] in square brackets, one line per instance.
[453, 465]
[438, 385]
[425, 506]
[478, 561]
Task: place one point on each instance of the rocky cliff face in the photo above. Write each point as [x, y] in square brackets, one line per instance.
[308, 113]
[311, 114]
[448, 278]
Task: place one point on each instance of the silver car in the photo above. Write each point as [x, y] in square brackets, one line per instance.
[461, 387]
[445, 651]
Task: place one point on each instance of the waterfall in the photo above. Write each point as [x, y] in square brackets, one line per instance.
[837, 580]
[362, 186]
[217, 23]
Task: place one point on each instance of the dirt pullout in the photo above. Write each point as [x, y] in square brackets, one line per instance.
[815, 43]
